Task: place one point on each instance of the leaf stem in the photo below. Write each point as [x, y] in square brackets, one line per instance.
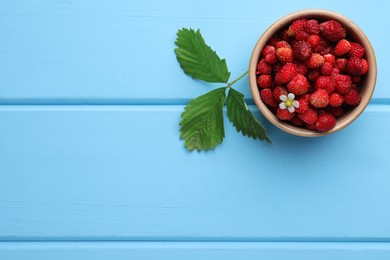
[237, 79]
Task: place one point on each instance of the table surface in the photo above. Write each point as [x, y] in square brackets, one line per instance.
[92, 167]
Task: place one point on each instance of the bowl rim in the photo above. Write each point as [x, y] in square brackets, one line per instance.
[282, 22]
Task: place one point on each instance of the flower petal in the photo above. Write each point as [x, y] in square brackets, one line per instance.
[282, 105]
[296, 104]
[283, 97]
[291, 109]
[291, 96]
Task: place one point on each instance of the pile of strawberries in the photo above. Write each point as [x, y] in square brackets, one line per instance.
[319, 65]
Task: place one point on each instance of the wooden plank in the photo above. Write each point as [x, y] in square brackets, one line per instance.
[121, 51]
[121, 173]
[194, 251]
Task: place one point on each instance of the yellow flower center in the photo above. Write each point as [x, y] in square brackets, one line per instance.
[289, 103]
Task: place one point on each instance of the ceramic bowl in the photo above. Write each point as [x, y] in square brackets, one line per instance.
[365, 88]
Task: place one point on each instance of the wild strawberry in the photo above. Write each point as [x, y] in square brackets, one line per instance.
[296, 26]
[319, 98]
[315, 61]
[264, 81]
[365, 66]
[335, 72]
[313, 75]
[312, 27]
[278, 91]
[325, 122]
[286, 73]
[342, 47]
[309, 117]
[298, 85]
[301, 36]
[332, 31]
[326, 83]
[356, 50]
[284, 114]
[284, 54]
[326, 68]
[355, 66]
[273, 41]
[311, 126]
[329, 58]
[282, 44]
[335, 100]
[284, 36]
[302, 69]
[303, 106]
[343, 83]
[277, 67]
[263, 68]
[297, 121]
[313, 40]
[356, 79]
[352, 98]
[341, 64]
[269, 54]
[335, 111]
[302, 51]
[267, 97]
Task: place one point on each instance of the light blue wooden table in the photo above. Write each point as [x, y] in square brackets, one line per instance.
[91, 165]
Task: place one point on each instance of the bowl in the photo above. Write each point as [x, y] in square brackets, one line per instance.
[366, 86]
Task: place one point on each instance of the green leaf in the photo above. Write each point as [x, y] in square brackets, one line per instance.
[242, 118]
[202, 121]
[197, 59]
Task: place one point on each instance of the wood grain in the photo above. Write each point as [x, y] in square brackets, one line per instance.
[121, 173]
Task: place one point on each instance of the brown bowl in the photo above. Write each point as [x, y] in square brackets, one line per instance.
[366, 88]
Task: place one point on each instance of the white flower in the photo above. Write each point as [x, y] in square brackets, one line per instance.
[288, 102]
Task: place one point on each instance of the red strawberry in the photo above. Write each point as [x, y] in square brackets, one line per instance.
[332, 31]
[329, 58]
[341, 64]
[335, 72]
[282, 44]
[315, 61]
[356, 50]
[319, 98]
[335, 111]
[278, 91]
[301, 36]
[365, 66]
[302, 69]
[352, 98]
[314, 40]
[326, 83]
[309, 117]
[343, 83]
[325, 122]
[284, 114]
[267, 97]
[296, 26]
[303, 106]
[286, 73]
[335, 100]
[284, 54]
[298, 85]
[356, 80]
[273, 41]
[269, 54]
[302, 51]
[297, 121]
[311, 126]
[277, 67]
[326, 68]
[342, 47]
[312, 27]
[313, 75]
[264, 81]
[355, 66]
[263, 68]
